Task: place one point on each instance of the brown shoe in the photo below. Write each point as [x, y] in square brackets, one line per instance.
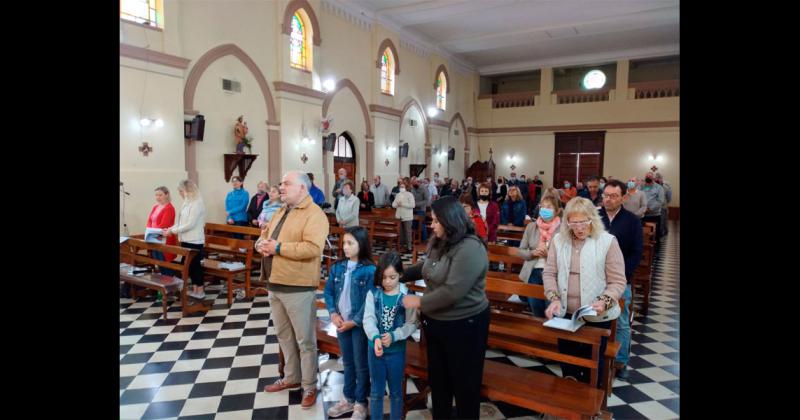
[280, 385]
[309, 398]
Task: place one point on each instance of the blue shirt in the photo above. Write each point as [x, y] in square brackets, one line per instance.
[236, 205]
[317, 195]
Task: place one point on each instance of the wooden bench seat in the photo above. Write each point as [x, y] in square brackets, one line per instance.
[136, 252]
[240, 250]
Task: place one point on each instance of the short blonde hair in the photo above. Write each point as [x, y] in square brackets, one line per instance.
[582, 206]
[519, 194]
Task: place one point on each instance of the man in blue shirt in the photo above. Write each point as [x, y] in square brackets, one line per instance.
[627, 228]
[316, 194]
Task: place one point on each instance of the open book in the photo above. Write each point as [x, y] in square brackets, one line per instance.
[154, 235]
[574, 323]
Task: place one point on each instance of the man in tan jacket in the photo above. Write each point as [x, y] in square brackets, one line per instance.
[292, 247]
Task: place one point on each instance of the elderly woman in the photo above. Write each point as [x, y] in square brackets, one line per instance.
[634, 200]
[347, 211]
[584, 266]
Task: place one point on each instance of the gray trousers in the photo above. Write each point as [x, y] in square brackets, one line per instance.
[294, 316]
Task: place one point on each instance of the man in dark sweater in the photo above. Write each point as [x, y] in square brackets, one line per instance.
[627, 228]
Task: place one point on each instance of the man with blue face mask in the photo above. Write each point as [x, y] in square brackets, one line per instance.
[656, 199]
[634, 200]
[627, 228]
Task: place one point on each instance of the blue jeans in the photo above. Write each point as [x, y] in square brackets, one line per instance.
[538, 306]
[387, 368]
[353, 343]
[624, 328]
[165, 271]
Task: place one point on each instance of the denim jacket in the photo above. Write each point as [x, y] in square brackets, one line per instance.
[405, 322]
[361, 281]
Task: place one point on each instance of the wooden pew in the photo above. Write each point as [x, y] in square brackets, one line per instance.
[131, 251]
[526, 334]
[251, 233]
[384, 229]
[643, 275]
[241, 250]
[510, 232]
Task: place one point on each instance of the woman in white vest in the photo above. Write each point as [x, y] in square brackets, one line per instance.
[584, 266]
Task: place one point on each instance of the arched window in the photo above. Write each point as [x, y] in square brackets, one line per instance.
[299, 45]
[387, 72]
[441, 91]
[146, 12]
[344, 148]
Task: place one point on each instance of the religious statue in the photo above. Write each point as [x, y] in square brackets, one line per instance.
[240, 132]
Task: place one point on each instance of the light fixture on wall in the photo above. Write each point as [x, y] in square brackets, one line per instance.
[513, 160]
[146, 122]
[656, 158]
[432, 111]
[329, 85]
[387, 152]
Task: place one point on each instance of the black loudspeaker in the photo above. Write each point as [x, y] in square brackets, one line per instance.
[329, 142]
[404, 150]
[198, 128]
[451, 154]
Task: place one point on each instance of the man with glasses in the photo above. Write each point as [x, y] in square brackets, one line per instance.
[627, 228]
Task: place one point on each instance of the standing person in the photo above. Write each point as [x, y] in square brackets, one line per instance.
[347, 212]
[489, 211]
[433, 193]
[500, 191]
[236, 205]
[656, 200]
[584, 267]
[568, 192]
[381, 193]
[627, 228]
[634, 201]
[292, 248]
[533, 248]
[190, 228]
[162, 215]
[337, 188]
[316, 194]
[404, 203]
[366, 198]
[475, 216]
[345, 294]
[270, 207]
[455, 310]
[538, 186]
[420, 204]
[395, 190]
[387, 326]
[257, 202]
[514, 210]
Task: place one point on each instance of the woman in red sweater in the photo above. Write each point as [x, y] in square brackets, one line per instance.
[489, 211]
[163, 216]
[474, 215]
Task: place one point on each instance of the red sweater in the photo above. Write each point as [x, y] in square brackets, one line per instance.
[165, 219]
[480, 226]
[492, 219]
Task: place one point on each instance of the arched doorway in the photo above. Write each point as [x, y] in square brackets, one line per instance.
[344, 156]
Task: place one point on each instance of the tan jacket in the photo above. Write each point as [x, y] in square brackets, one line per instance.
[302, 239]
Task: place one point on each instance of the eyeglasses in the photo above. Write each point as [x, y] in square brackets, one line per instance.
[582, 223]
[611, 196]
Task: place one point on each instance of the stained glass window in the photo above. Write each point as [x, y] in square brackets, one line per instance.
[387, 72]
[146, 12]
[441, 91]
[298, 49]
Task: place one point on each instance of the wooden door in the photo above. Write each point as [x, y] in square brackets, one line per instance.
[578, 155]
[344, 156]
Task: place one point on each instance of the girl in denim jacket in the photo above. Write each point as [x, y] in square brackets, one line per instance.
[345, 293]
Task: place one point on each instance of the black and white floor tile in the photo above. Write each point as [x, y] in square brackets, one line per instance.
[215, 365]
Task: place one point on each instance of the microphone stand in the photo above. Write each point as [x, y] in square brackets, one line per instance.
[124, 223]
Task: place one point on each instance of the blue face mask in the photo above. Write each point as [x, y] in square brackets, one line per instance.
[631, 184]
[546, 214]
[567, 185]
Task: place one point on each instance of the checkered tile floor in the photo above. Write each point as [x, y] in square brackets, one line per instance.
[214, 365]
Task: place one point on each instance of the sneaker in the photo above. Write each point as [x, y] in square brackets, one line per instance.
[342, 407]
[309, 398]
[198, 296]
[622, 373]
[280, 385]
[359, 412]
